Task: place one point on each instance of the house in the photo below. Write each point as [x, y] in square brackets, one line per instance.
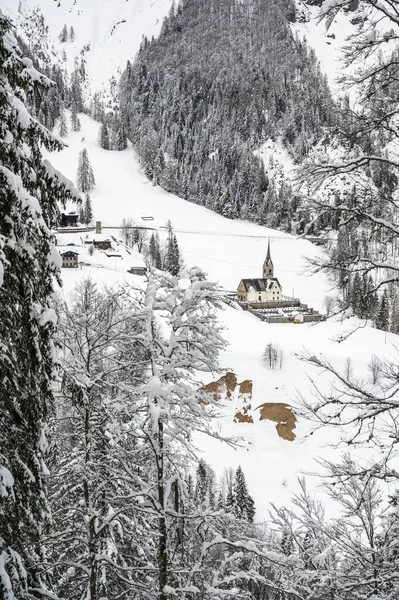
[69, 259]
[101, 242]
[137, 270]
[113, 254]
[69, 219]
[264, 289]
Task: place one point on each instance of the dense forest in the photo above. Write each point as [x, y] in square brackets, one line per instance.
[220, 80]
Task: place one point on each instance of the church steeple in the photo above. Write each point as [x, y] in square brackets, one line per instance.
[268, 268]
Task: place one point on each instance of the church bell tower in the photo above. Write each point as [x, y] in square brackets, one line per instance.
[268, 268]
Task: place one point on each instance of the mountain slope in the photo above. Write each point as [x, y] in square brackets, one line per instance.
[113, 30]
[229, 250]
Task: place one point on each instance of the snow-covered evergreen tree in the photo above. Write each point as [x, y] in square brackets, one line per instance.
[382, 321]
[75, 121]
[85, 177]
[29, 191]
[172, 253]
[62, 124]
[87, 210]
[63, 37]
[244, 506]
[103, 137]
[94, 483]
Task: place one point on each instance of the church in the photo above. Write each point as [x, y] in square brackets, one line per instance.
[265, 289]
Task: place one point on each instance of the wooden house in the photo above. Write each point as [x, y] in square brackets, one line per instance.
[70, 259]
[69, 219]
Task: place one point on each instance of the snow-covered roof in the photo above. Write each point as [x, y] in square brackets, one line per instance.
[261, 284]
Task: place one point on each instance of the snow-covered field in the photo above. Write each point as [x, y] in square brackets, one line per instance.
[228, 251]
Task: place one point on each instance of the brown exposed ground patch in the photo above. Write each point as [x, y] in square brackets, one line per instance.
[225, 385]
[243, 416]
[246, 387]
[281, 414]
[278, 412]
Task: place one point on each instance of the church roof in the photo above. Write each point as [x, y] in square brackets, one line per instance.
[261, 284]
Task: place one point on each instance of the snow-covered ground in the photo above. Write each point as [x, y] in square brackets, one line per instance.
[112, 28]
[228, 251]
[326, 43]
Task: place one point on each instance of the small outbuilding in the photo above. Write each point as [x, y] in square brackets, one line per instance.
[69, 219]
[299, 318]
[101, 242]
[137, 271]
[70, 259]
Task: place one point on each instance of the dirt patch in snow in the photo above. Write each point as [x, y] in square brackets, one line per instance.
[281, 414]
[223, 386]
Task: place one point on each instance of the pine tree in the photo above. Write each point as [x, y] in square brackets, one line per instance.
[87, 210]
[121, 139]
[64, 35]
[75, 121]
[29, 191]
[103, 137]
[81, 214]
[172, 253]
[244, 506]
[382, 320]
[85, 176]
[155, 251]
[72, 34]
[395, 315]
[62, 126]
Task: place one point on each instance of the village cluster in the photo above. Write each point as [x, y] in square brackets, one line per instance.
[79, 245]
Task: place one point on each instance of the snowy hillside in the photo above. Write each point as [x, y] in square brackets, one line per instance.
[228, 251]
[113, 30]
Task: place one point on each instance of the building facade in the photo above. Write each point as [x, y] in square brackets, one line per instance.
[70, 259]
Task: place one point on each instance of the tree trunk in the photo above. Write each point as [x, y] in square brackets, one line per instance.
[162, 546]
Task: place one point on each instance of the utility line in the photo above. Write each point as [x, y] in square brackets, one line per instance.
[227, 262]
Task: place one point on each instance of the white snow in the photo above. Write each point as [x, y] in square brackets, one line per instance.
[112, 28]
[228, 251]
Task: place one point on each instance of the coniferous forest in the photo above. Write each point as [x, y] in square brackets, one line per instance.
[216, 84]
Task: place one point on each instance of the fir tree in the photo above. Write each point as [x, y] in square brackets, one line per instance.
[87, 210]
[155, 251]
[29, 191]
[72, 34]
[62, 126]
[64, 35]
[103, 137]
[85, 176]
[121, 139]
[172, 253]
[382, 320]
[75, 121]
[244, 506]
